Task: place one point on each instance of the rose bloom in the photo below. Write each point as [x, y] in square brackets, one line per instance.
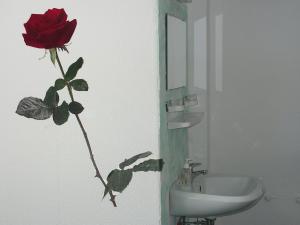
[49, 30]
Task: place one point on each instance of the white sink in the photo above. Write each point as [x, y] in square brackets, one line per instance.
[215, 196]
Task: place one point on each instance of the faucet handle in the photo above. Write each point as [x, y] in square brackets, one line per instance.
[190, 164]
[194, 164]
[187, 163]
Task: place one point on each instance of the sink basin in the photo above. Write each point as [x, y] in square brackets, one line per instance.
[215, 196]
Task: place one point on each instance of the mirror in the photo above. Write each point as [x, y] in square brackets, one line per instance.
[176, 52]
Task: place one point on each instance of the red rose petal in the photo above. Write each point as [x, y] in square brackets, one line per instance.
[33, 23]
[69, 30]
[52, 37]
[56, 15]
[32, 42]
[58, 36]
[49, 30]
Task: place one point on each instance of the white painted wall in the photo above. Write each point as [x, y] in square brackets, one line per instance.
[255, 120]
[45, 171]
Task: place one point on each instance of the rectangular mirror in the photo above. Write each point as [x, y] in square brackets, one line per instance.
[176, 52]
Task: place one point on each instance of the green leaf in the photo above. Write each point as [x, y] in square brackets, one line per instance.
[75, 107]
[57, 99]
[60, 84]
[35, 108]
[128, 162]
[61, 114]
[73, 69]
[51, 97]
[79, 85]
[149, 165]
[52, 55]
[118, 180]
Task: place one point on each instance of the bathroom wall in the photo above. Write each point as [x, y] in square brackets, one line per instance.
[255, 109]
[45, 171]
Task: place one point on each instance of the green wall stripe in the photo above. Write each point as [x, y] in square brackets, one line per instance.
[173, 143]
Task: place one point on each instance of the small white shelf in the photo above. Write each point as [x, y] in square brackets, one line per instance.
[175, 105]
[176, 108]
[190, 100]
[185, 120]
[179, 105]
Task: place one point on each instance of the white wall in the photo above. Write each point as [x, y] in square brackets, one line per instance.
[255, 122]
[45, 171]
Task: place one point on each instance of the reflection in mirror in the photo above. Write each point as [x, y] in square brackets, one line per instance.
[176, 52]
[219, 52]
[200, 44]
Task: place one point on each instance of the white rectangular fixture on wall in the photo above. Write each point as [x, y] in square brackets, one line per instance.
[176, 52]
[200, 58]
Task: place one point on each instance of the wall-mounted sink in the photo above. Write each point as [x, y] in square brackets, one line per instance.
[215, 195]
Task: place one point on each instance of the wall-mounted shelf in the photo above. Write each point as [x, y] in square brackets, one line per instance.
[175, 105]
[176, 108]
[190, 100]
[178, 105]
[185, 120]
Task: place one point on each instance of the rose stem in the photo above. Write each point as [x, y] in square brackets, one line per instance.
[112, 196]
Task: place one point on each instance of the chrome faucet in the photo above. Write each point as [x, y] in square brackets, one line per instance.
[197, 172]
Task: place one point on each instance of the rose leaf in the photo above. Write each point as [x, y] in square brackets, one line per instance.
[128, 162]
[118, 180]
[60, 84]
[56, 99]
[79, 85]
[73, 69]
[149, 165]
[61, 114]
[51, 98]
[75, 107]
[34, 108]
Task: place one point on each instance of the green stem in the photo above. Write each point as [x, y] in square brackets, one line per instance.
[112, 196]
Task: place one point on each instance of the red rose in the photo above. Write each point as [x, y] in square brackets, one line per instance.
[49, 30]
